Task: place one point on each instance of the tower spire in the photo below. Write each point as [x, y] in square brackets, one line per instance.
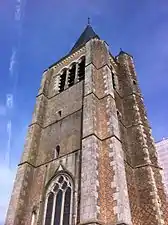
[88, 20]
[87, 34]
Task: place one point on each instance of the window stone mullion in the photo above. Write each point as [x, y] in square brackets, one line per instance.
[72, 208]
[76, 73]
[45, 208]
[66, 81]
[62, 208]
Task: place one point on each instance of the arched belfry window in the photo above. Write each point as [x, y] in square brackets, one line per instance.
[71, 76]
[81, 69]
[62, 80]
[58, 206]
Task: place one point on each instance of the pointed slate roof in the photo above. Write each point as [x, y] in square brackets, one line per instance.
[87, 34]
[123, 53]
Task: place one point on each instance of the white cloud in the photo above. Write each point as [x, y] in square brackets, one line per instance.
[7, 176]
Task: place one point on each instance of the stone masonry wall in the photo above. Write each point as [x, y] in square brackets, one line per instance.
[42, 178]
[56, 121]
[104, 195]
[147, 207]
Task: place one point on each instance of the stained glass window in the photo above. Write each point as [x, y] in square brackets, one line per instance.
[58, 201]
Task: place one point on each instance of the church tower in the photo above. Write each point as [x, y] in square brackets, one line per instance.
[89, 156]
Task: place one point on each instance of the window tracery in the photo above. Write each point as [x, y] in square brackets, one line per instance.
[59, 201]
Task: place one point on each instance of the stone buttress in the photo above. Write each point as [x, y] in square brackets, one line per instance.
[104, 195]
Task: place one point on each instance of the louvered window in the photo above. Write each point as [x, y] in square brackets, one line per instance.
[62, 80]
[71, 76]
[81, 69]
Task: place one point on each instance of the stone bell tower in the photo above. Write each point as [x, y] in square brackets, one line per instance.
[89, 156]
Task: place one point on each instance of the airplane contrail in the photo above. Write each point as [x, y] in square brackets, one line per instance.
[12, 61]
[9, 101]
[13, 73]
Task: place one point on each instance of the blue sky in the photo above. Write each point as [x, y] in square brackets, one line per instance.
[47, 30]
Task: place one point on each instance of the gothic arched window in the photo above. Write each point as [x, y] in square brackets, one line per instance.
[59, 201]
